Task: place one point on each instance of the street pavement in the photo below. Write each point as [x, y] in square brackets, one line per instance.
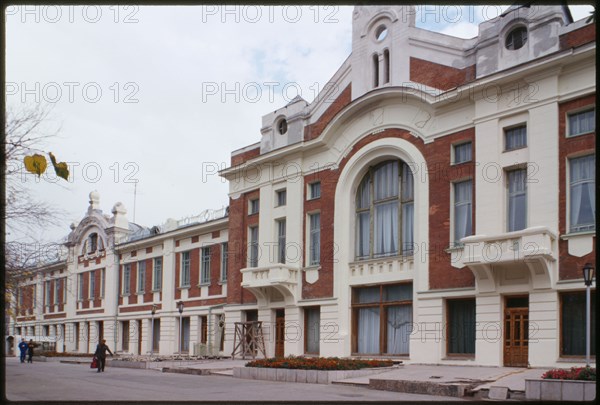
[54, 381]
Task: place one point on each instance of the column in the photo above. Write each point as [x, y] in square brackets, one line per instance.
[267, 317]
[294, 331]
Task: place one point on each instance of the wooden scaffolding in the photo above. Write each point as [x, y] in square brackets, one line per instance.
[248, 340]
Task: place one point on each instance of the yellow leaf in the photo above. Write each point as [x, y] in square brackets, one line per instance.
[35, 164]
[61, 168]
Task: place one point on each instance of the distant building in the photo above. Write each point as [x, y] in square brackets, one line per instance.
[435, 203]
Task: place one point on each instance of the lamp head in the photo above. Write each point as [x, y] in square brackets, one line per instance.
[588, 274]
[180, 306]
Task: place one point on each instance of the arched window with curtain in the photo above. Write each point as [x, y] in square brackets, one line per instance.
[384, 211]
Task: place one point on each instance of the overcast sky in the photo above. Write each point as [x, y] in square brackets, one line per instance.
[162, 95]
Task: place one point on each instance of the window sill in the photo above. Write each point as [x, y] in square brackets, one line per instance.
[581, 134]
[184, 287]
[459, 357]
[158, 290]
[203, 285]
[575, 359]
[140, 292]
[125, 295]
[312, 267]
[514, 149]
[460, 163]
[455, 248]
[222, 282]
[571, 235]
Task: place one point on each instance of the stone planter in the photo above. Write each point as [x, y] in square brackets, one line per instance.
[560, 390]
[304, 376]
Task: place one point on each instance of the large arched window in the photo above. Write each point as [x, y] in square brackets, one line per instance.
[384, 211]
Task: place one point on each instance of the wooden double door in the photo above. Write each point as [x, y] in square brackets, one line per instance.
[516, 332]
[279, 332]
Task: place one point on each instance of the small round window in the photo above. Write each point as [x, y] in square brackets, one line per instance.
[516, 38]
[381, 33]
[282, 126]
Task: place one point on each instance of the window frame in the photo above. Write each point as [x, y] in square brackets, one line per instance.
[281, 240]
[92, 285]
[253, 246]
[569, 205]
[141, 276]
[186, 264]
[102, 282]
[281, 197]
[224, 261]
[307, 329]
[455, 242]
[80, 287]
[126, 290]
[47, 289]
[253, 206]
[511, 34]
[400, 198]
[311, 190]
[449, 328]
[56, 291]
[580, 111]
[311, 235]
[157, 271]
[205, 253]
[507, 173]
[458, 145]
[382, 305]
[507, 131]
[561, 295]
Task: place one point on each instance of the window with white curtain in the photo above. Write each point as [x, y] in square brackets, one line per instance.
[582, 122]
[253, 247]
[517, 199]
[185, 269]
[315, 239]
[141, 281]
[281, 241]
[582, 193]
[205, 266]
[157, 274]
[92, 284]
[382, 311]
[515, 138]
[463, 203]
[126, 278]
[384, 211]
[462, 152]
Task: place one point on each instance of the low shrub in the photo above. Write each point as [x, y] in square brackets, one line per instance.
[575, 373]
[56, 354]
[318, 363]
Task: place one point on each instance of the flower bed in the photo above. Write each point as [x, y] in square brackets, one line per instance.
[575, 373]
[56, 354]
[318, 363]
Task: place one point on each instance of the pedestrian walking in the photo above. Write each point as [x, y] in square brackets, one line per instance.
[23, 348]
[100, 354]
[30, 347]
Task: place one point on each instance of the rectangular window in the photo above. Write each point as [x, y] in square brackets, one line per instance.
[582, 122]
[126, 278]
[92, 283]
[517, 200]
[515, 138]
[80, 286]
[312, 327]
[314, 190]
[281, 198]
[56, 290]
[185, 269]
[47, 293]
[461, 326]
[102, 282]
[463, 203]
[462, 153]
[281, 241]
[205, 267]
[157, 274]
[141, 276]
[224, 257]
[572, 323]
[382, 319]
[315, 239]
[254, 206]
[582, 193]
[253, 247]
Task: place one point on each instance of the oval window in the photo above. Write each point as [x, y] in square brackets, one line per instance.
[282, 126]
[516, 38]
[381, 33]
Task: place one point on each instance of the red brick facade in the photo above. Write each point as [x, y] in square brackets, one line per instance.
[439, 76]
[578, 37]
[570, 266]
[312, 131]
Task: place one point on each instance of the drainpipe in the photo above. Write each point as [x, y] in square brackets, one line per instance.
[209, 332]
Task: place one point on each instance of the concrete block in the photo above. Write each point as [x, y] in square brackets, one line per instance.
[533, 389]
[272, 374]
[336, 375]
[498, 393]
[322, 377]
[572, 391]
[551, 391]
[311, 376]
[262, 374]
[589, 391]
[246, 372]
[291, 375]
[281, 374]
[301, 376]
[237, 371]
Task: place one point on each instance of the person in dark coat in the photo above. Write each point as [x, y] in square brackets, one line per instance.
[100, 354]
[23, 348]
[30, 347]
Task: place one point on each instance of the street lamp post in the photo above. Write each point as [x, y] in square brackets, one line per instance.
[180, 308]
[152, 333]
[588, 277]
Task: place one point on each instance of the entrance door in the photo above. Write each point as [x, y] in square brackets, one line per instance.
[139, 328]
[279, 332]
[516, 332]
